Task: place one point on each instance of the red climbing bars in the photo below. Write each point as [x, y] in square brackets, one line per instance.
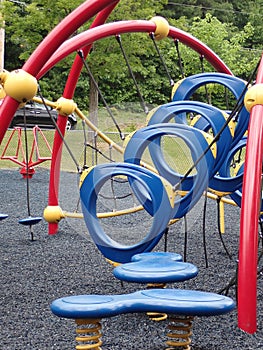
[250, 208]
[69, 90]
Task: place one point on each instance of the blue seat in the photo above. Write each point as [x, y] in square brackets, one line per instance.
[3, 216]
[156, 267]
[158, 254]
[170, 301]
[30, 220]
[88, 310]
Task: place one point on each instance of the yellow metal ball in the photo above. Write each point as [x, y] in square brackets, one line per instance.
[19, 85]
[65, 106]
[253, 96]
[3, 76]
[162, 27]
[53, 214]
[2, 93]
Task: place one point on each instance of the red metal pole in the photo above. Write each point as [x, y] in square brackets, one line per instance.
[250, 208]
[98, 33]
[69, 90]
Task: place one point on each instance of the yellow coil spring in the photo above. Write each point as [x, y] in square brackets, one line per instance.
[181, 331]
[156, 285]
[88, 334]
[156, 316]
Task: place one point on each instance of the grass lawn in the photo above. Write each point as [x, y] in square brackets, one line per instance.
[175, 152]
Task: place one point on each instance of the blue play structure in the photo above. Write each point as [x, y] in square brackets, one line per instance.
[156, 201]
[155, 267]
[88, 310]
[3, 216]
[213, 138]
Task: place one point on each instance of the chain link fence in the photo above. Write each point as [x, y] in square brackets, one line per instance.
[86, 149]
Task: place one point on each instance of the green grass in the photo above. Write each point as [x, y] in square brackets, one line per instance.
[174, 150]
[127, 120]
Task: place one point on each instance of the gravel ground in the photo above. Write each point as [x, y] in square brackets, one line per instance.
[34, 273]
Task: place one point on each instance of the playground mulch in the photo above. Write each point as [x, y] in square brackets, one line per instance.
[34, 273]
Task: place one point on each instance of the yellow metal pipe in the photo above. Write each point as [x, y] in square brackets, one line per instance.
[222, 216]
[74, 215]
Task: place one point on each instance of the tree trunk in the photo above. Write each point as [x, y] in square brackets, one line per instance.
[93, 106]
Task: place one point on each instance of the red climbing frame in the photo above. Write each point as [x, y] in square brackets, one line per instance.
[252, 177]
[46, 52]
[250, 208]
[69, 93]
[19, 156]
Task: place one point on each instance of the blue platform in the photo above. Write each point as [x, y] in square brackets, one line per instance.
[30, 220]
[156, 267]
[169, 301]
[157, 255]
[3, 216]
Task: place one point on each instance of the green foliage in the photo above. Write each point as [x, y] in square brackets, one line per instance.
[137, 9]
[231, 29]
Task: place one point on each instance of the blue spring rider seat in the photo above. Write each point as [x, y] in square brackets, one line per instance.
[156, 268]
[3, 216]
[88, 310]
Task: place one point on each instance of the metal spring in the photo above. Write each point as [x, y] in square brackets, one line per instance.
[156, 316]
[156, 285]
[88, 334]
[181, 331]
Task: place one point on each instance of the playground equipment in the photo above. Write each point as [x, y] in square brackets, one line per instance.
[155, 268]
[3, 216]
[159, 195]
[88, 310]
[19, 156]
[21, 85]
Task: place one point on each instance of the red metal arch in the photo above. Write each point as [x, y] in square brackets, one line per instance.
[252, 177]
[68, 93]
[250, 208]
[86, 39]
[109, 29]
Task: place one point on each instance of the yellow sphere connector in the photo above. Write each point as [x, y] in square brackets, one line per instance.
[162, 27]
[2, 93]
[253, 96]
[53, 214]
[3, 76]
[19, 85]
[65, 106]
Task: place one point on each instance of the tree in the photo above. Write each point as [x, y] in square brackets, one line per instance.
[221, 9]
[28, 22]
[28, 25]
[224, 41]
[255, 18]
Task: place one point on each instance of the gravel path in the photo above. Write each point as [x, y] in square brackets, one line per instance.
[33, 274]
